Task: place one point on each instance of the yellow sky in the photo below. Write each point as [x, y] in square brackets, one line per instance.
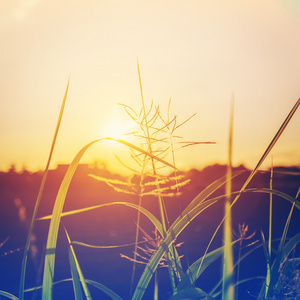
[196, 52]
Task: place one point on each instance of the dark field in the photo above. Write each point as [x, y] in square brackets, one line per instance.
[116, 225]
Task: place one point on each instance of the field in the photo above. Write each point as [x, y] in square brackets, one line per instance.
[222, 233]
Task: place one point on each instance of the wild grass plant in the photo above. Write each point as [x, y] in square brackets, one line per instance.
[156, 151]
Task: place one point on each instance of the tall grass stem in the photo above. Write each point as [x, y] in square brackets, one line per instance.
[37, 203]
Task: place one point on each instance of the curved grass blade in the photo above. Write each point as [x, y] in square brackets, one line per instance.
[144, 211]
[108, 247]
[190, 293]
[290, 245]
[176, 228]
[8, 295]
[193, 273]
[54, 225]
[240, 282]
[57, 210]
[104, 289]
[195, 208]
[38, 200]
[275, 192]
[101, 287]
[213, 291]
[207, 192]
[54, 283]
[77, 274]
[221, 182]
[172, 233]
[75, 277]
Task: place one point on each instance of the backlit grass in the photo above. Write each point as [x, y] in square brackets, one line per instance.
[155, 152]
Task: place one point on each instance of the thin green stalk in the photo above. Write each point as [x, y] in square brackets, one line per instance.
[267, 151]
[162, 213]
[270, 147]
[155, 286]
[270, 213]
[150, 149]
[227, 287]
[238, 270]
[268, 277]
[145, 119]
[37, 203]
[137, 234]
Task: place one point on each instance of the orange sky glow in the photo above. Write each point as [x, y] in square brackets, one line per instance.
[198, 53]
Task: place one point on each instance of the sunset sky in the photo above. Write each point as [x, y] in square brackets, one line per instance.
[198, 53]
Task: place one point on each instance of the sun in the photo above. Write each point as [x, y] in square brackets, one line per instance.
[118, 129]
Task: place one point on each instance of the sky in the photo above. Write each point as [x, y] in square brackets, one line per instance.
[201, 54]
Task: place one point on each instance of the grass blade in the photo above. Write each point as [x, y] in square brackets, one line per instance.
[215, 295]
[54, 225]
[172, 233]
[227, 287]
[54, 283]
[191, 293]
[290, 245]
[207, 192]
[269, 257]
[144, 211]
[75, 277]
[104, 289]
[99, 286]
[275, 192]
[213, 291]
[37, 203]
[192, 272]
[269, 148]
[57, 210]
[76, 271]
[8, 295]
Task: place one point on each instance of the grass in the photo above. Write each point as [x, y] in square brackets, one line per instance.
[156, 150]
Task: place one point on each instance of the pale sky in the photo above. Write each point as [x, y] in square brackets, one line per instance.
[198, 53]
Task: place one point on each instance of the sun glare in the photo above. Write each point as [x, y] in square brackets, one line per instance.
[118, 129]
